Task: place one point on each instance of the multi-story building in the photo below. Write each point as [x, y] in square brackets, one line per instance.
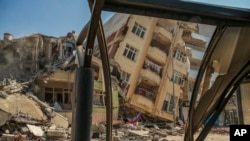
[197, 40]
[197, 44]
[153, 62]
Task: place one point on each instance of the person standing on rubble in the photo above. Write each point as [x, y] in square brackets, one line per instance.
[70, 43]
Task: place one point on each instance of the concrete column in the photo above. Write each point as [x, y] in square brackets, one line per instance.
[141, 58]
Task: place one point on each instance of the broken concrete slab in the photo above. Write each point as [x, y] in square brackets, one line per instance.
[21, 103]
[139, 132]
[7, 137]
[56, 133]
[59, 120]
[3, 94]
[13, 137]
[36, 130]
[4, 117]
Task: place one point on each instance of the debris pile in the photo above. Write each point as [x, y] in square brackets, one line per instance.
[23, 62]
[221, 131]
[139, 131]
[24, 117]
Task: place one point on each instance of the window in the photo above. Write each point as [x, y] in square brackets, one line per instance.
[181, 56]
[152, 66]
[130, 52]
[169, 103]
[138, 30]
[178, 78]
[146, 92]
[99, 99]
[62, 96]
[124, 79]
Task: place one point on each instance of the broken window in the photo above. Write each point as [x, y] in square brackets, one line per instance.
[152, 66]
[49, 97]
[67, 99]
[181, 56]
[130, 52]
[99, 99]
[124, 79]
[169, 103]
[146, 92]
[139, 30]
[62, 96]
[178, 78]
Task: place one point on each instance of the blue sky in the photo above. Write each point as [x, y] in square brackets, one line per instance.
[57, 17]
[49, 17]
[230, 3]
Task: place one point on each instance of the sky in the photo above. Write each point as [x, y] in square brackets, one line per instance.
[58, 17]
[48, 17]
[245, 4]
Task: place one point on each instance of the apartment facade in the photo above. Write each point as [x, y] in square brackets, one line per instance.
[153, 63]
[197, 40]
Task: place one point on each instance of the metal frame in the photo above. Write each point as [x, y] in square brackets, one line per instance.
[222, 17]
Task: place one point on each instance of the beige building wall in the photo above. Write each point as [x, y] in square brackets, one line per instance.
[166, 37]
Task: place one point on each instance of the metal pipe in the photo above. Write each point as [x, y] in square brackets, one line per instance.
[96, 12]
[107, 79]
[84, 104]
[83, 34]
[84, 79]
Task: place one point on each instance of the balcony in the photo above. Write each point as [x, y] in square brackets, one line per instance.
[157, 55]
[151, 95]
[162, 35]
[195, 39]
[190, 26]
[151, 78]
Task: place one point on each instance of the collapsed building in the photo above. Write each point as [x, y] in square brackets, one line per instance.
[155, 82]
[46, 64]
[163, 58]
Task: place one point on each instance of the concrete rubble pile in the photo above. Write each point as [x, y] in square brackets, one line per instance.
[141, 131]
[24, 117]
[221, 131]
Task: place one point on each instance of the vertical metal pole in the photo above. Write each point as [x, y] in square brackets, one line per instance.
[85, 79]
[84, 89]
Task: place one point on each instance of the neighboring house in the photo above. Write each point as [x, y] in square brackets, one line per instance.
[48, 60]
[58, 90]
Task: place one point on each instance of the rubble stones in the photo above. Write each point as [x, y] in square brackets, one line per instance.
[130, 132]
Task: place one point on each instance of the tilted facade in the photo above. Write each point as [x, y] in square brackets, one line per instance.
[152, 59]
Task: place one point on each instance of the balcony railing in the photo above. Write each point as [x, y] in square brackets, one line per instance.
[146, 93]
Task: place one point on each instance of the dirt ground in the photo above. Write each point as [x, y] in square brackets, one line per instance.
[210, 137]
